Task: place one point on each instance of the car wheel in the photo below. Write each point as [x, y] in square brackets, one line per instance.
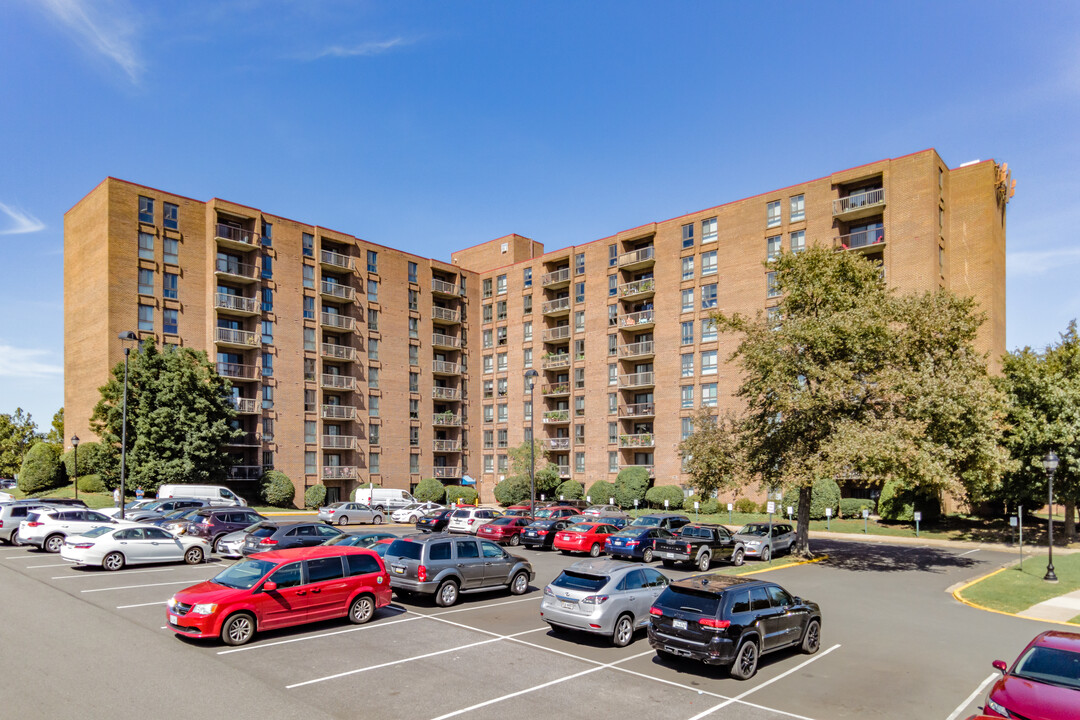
[812, 638]
[361, 610]
[14, 540]
[216, 544]
[113, 561]
[53, 543]
[238, 629]
[746, 660]
[193, 556]
[520, 584]
[594, 551]
[668, 563]
[515, 540]
[737, 557]
[377, 520]
[343, 520]
[379, 508]
[447, 594]
[624, 631]
[703, 562]
[646, 555]
[766, 554]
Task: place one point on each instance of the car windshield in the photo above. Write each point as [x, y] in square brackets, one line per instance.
[98, 532]
[262, 531]
[1050, 665]
[244, 574]
[404, 548]
[646, 522]
[462, 513]
[571, 580]
[546, 512]
[689, 600]
[581, 527]
[542, 524]
[628, 532]
[754, 529]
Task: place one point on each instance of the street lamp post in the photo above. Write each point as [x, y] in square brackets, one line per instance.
[125, 336]
[75, 448]
[1050, 464]
[530, 378]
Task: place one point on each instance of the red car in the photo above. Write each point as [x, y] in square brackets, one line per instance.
[506, 529]
[588, 537]
[1043, 683]
[281, 588]
[518, 510]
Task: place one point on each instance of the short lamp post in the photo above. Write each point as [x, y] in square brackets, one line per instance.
[126, 336]
[530, 380]
[75, 449]
[1050, 464]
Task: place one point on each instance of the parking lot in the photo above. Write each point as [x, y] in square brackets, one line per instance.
[895, 644]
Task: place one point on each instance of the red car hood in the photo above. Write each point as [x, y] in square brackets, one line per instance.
[207, 592]
[1035, 700]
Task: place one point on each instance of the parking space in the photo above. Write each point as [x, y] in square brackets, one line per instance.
[890, 633]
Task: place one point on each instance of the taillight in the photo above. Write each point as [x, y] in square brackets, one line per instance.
[632, 543]
[33, 524]
[594, 600]
[83, 546]
[656, 612]
[268, 541]
[688, 549]
[549, 592]
[421, 573]
[333, 511]
[714, 623]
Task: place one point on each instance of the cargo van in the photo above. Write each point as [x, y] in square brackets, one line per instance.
[384, 499]
[213, 494]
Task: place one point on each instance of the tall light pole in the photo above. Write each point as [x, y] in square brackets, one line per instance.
[125, 336]
[530, 378]
[1050, 464]
[75, 447]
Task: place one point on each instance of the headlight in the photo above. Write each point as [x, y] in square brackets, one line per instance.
[204, 608]
[753, 543]
[997, 708]
[171, 603]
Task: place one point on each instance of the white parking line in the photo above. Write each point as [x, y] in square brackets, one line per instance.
[962, 706]
[768, 682]
[410, 659]
[132, 587]
[968, 552]
[35, 567]
[125, 573]
[125, 607]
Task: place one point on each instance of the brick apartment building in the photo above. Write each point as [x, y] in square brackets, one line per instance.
[314, 326]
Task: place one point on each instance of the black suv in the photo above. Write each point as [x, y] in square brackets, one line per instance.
[724, 620]
[215, 523]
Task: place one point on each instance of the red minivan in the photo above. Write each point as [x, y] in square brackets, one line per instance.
[280, 588]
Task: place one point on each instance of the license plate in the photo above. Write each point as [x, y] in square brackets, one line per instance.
[568, 606]
[530, 533]
[678, 624]
[399, 569]
[669, 556]
[173, 619]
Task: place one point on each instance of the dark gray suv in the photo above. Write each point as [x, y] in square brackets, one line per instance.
[445, 566]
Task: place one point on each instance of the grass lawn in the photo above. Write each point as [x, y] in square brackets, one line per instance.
[1015, 590]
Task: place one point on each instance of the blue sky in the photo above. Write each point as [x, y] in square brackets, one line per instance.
[430, 126]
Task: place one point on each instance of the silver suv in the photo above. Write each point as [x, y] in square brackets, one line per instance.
[444, 566]
[13, 513]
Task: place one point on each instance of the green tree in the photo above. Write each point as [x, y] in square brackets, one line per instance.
[277, 489]
[430, 490]
[41, 469]
[460, 494]
[656, 496]
[547, 472]
[630, 485]
[17, 433]
[600, 491]
[55, 435]
[179, 417]
[571, 490]
[513, 490]
[712, 454]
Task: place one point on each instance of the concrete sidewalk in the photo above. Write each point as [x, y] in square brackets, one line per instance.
[1061, 609]
[938, 542]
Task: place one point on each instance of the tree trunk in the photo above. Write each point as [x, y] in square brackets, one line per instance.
[1070, 521]
[802, 530]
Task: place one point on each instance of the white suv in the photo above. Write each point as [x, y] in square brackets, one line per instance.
[47, 527]
[469, 520]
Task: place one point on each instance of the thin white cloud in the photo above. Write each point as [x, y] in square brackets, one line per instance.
[27, 363]
[361, 50]
[22, 222]
[102, 26]
[1033, 263]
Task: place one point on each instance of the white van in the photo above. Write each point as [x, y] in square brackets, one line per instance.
[213, 494]
[384, 499]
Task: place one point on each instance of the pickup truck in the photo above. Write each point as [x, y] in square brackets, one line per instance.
[700, 544]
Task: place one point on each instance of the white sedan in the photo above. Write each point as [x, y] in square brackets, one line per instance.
[113, 548]
[414, 511]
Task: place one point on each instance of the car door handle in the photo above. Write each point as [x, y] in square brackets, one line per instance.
[630, 598]
[488, 563]
[461, 564]
[316, 591]
[301, 592]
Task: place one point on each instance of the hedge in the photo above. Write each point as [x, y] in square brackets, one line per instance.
[745, 505]
[631, 485]
[571, 490]
[91, 484]
[824, 494]
[461, 495]
[600, 491]
[657, 495]
[277, 489]
[315, 496]
[513, 490]
[853, 507]
[430, 490]
[708, 506]
[41, 469]
[898, 504]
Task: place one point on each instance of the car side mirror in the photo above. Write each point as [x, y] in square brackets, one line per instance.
[269, 586]
[798, 601]
[1000, 665]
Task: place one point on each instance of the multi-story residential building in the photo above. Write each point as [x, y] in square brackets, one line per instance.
[313, 325]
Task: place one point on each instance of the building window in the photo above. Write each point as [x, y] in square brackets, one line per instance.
[146, 318]
[487, 288]
[941, 217]
[941, 260]
[489, 413]
[526, 331]
[612, 285]
[146, 210]
[798, 208]
[688, 300]
[309, 338]
[489, 440]
[500, 310]
[501, 364]
[527, 357]
[798, 241]
[267, 459]
[613, 462]
[708, 263]
[489, 463]
[414, 355]
[489, 364]
[488, 339]
[708, 362]
[579, 460]
[267, 332]
[612, 374]
[372, 291]
[170, 319]
[687, 365]
[146, 281]
[688, 235]
[579, 321]
[503, 438]
[527, 304]
[373, 463]
[613, 255]
[267, 267]
[579, 292]
[372, 261]
[308, 241]
[373, 320]
[414, 382]
[309, 369]
[708, 296]
[612, 345]
[373, 408]
[267, 364]
[612, 433]
[267, 397]
[686, 393]
[772, 214]
[172, 250]
[579, 407]
[487, 313]
[373, 349]
[412, 271]
[579, 264]
[170, 286]
[708, 330]
[310, 428]
[373, 378]
[526, 277]
[267, 234]
[308, 272]
[772, 315]
[772, 248]
[688, 268]
[267, 300]
[373, 435]
[612, 315]
[414, 327]
[501, 462]
[527, 405]
[503, 387]
[171, 216]
[146, 246]
[500, 336]
[579, 378]
[309, 400]
[500, 285]
[612, 403]
[502, 414]
[708, 231]
[688, 333]
[309, 463]
[708, 395]
[772, 289]
[687, 422]
[309, 308]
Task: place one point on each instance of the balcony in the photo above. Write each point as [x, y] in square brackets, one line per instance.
[236, 304]
[557, 279]
[561, 306]
[557, 443]
[446, 472]
[638, 321]
[445, 393]
[338, 412]
[236, 271]
[637, 289]
[873, 238]
[556, 361]
[246, 406]
[555, 334]
[859, 204]
[337, 291]
[339, 442]
[555, 389]
[336, 321]
[637, 410]
[564, 472]
[335, 261]
[446, 446]
[236, 371]
[338, 382]
[650, 468]
[637, 350]
[448, 342]
[441, 367]
[339, 472]
[228, 337]
[445, 315]
[636, 380]
[234, 237]
[446, 420]
[444, 289]
[245, 472]
[248, 439]
[338, 352]
[641, 440]
[557, 417]
[640, 258]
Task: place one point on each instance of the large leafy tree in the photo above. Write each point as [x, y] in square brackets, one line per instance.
[547, 472]
[179, 417]
[711, 454]
[18, 433]
[55, 436]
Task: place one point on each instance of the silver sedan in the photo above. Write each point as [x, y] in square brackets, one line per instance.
[606, 597]
[345, 513]
[755, 539]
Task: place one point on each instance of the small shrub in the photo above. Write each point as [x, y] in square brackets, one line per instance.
[91, 484]
[631, 485]
[824, 493]
[763, 507]
[898, 504]
[853, 507]
[708, 506]
[513, 490]
[600, 491]
[277, 489]
[88, 452]
[571, 490]
[745, 505]
[460, 495]
[41, 469]
[315, 496]
[657, 495]
[430, 490]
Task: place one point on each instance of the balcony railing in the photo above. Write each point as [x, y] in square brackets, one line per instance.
[637, 410]
[239, 269]
[236, 337]
[557, 443]
[445, 393]
[247, 438]
[444, 472]
[337, 290]
[557, 333]
[246, 406]
[861, 239]
[339, 442]
[338, 412]
[641, 440]
[234, 234]
[446, 420]
[555, 278]
[641, 255]
[554, 362]
[859, 201]
[638, 287]
[338, 382]
[641, 379]
[556, 306]
[645, 317]
[245, 472]
[238, 303]
[339, 472]
[562, 388]
[564, 471]
[237, 371]
[329, 257]
[557, 416]
[650, 468]
[445, 314]
[338, 352]
[444, 288]
[446, 445]
[342, 322]
[447, 341]
[442, 367]
[637, 349]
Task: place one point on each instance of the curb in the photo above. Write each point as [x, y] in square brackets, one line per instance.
[960, 598]
[785, 565]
